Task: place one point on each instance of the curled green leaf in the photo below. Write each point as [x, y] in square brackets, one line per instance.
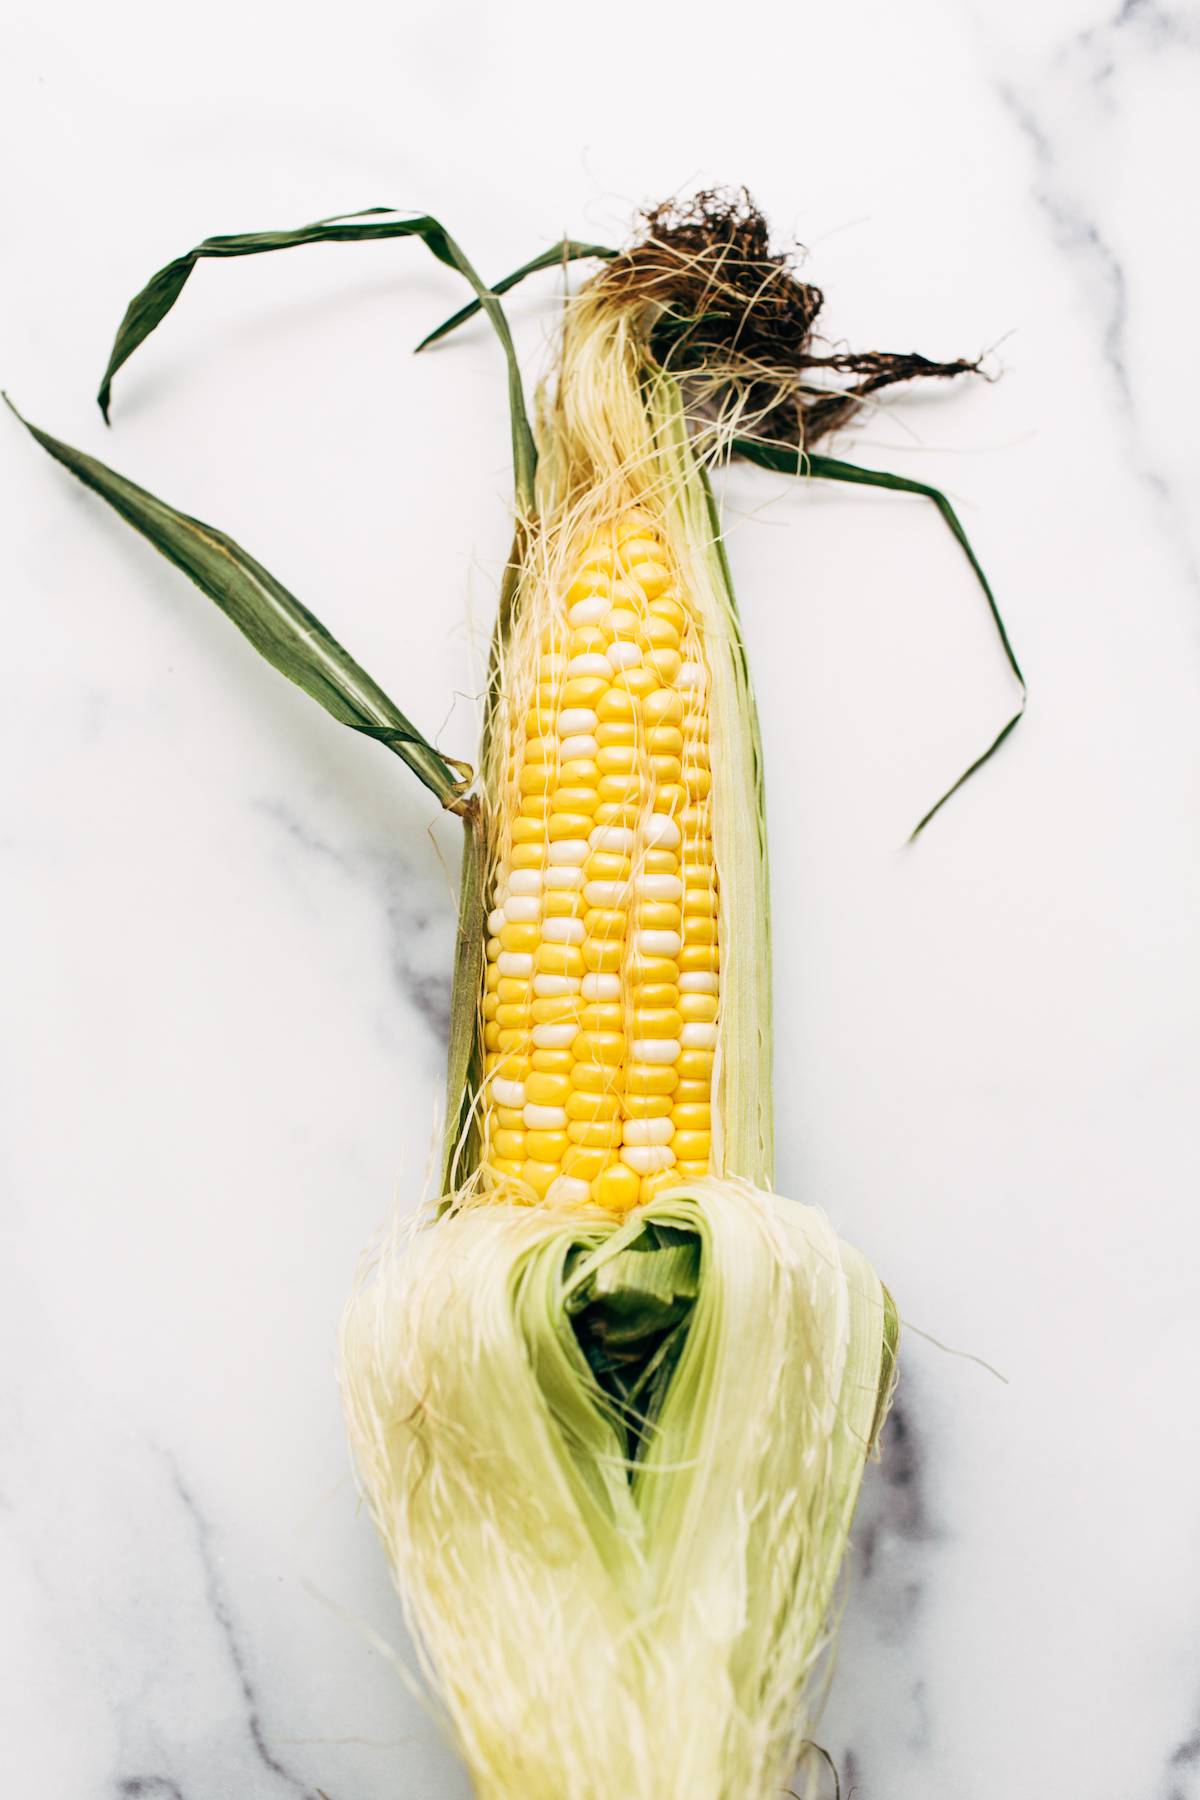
[150, 307]
[292, 639]
[786, 459]
[568, 250]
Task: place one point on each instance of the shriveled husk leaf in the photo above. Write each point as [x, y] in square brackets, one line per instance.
[602, 1630]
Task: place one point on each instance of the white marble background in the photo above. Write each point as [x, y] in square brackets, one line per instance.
[228, 921]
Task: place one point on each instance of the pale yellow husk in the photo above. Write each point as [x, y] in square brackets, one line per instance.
[595, 1637]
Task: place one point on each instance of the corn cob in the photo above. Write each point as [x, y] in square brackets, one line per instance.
[603, 986]
[611, 1410]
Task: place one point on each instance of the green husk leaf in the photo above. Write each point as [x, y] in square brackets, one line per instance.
[786, 459]
[281, 629]
[150, 307]
[568, 250]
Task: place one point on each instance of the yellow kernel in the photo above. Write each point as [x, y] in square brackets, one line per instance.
[527, 856]
[617, 706]
[589, 1108]
[583, 690]
[509, 1144]
[588, 640]
[658, 915]
[509, 1017]
[542, 750]
[702, 958]
[512, 1066]
[603, 956]
[587, 582]
[693, 1093]
[580, 771]
[690, 1171]
[568, 825]
[552, 1062]
[651, 577]
[539, 722]
[654, 1184]
[692, 1146]
[641, 683]
[699, 783]
[665, 664]
[700, 901]
[573, 800]
[605, 1016]
[654, 994]
[491, 1036]
[493, 978]
[698, 1008]
[511, 992]
[584, 1162]
[650, 1078]
[617, 812]
[492, 949]
[670, 798]
[601, 1047]
[528, 831]
[491, 1005]
[604, 922]
[521, 937]
[666, 768]
[501, 1165]
[646, 1106]
[559, 959]
[509, 1118]
[653, 971]
[616, 759]
[666, 606]
[626, 788]
[556, 1009]
[615, 732]
[664, 740]
[535, 806]
[692, 1116]
[662, 707]
[593, 1078]
[698, 928]
[513, 1038]
[537, 778]
[562, 903]
[539, 1175]
[658, 634]
[617, 1189]
[546, 1146]
[657, 1024]
[595, 1134]
[660, 862]
[695, 1065]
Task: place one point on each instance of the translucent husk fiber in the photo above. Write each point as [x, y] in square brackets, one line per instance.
[599, 1629]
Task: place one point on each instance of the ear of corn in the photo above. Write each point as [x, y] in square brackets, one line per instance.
[612, 1408]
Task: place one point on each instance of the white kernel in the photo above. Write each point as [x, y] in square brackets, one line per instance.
[624, 655]
[496, 921]
[525, 881]
[591, 664]
[508, 1093]
[551, 987]
[691, 675]
[568, 876]
[563, 931]
[695, 1036]
[623, 619]
[618, 839]
[569, 850]
[568, 1190]
[604, 893]
[661, 833]
[602, 987]
[573, 748]
[591, 610]
[648, 1159]
[515, 964]
[554, 1037]
[545, 1118]
[643, 1131]
[522, 909]
[658, 943]
[651, 1050]
[576, 721]
[696, 982]
[659, 887]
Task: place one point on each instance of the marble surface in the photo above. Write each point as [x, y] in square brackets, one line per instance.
[228, 922]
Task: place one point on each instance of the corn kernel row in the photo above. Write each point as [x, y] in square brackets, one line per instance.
[603, 962]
